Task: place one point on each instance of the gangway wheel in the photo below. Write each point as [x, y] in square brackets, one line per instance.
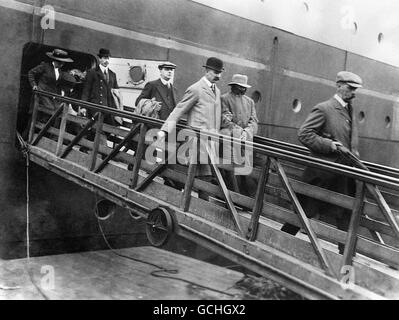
[159, 226]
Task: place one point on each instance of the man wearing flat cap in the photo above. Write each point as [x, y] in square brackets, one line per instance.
[161, 91]
[45, 76]
[239, 120]
[201, 104]
[330, 131]
[100, 84]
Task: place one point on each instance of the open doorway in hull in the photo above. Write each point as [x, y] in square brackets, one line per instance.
[33, 55]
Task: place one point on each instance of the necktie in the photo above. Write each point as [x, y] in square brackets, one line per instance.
[106, 75]
[349, 109]
[213, 88]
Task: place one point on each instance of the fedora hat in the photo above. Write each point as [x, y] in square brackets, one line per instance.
[214, 64]
[167, 64]
[241, 80]
[59, 55]
[350, 78]
[104, 53]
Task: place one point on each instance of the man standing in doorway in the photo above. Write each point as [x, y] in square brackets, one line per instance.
[100, 83]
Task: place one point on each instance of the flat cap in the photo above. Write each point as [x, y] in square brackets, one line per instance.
[167, 64]
[350, 78]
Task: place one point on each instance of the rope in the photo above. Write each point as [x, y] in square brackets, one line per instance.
[25, 152]
[154, 273]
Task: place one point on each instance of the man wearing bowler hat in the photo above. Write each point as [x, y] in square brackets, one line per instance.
[45, 76]
[100, 82]
[239, 120]
[201, 104]
[161, 90]
[330, 132]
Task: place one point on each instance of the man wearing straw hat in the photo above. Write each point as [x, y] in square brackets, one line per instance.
[45, 76]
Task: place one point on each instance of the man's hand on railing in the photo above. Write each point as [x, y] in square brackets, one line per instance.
[82, 112]
[34, 88]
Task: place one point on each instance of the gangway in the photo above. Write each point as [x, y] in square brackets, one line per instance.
[244, 229]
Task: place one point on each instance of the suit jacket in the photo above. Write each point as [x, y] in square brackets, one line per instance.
[329, 121]
[43, 76]
[97, 90]
[203, 109]
[156, 89]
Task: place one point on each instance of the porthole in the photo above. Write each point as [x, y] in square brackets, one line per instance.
[256, 96]
[296, 105]
[380, 37]
[137, 75]
[362, 116]
[355, 27]
[388, 121]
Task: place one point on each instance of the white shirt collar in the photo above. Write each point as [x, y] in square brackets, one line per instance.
[103, 68]
[207, 82]
[166, 83]
[341, 102]
[56, 71]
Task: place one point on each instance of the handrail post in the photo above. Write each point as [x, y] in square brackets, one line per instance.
[351, 239]
[260, 193]
[97, 140]
[61, 132]
[304, 219]
[35, 101]
[138, 156]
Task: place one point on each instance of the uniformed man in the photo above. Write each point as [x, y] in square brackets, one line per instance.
[99, 84]
[161, 90]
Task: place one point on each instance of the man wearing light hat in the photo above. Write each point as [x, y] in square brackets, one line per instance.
[161, 91]
[240, 121]
[238, 110]
[330, 131]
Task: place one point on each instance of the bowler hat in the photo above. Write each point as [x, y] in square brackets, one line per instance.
[59, 55]
[350, 78]
[241, 80]
[104, 53]
[167, 64]
[214, 64]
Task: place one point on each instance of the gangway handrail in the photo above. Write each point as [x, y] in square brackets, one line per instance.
[306, 151]
[273, 154]
[363, 175]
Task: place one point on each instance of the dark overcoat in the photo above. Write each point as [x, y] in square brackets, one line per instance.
[156, 89]
[43, 76]
[97, 90]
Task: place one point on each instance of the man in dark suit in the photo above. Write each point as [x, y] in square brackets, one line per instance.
[162, 90]
[99, 85]
[329, 132]
[45, 76]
